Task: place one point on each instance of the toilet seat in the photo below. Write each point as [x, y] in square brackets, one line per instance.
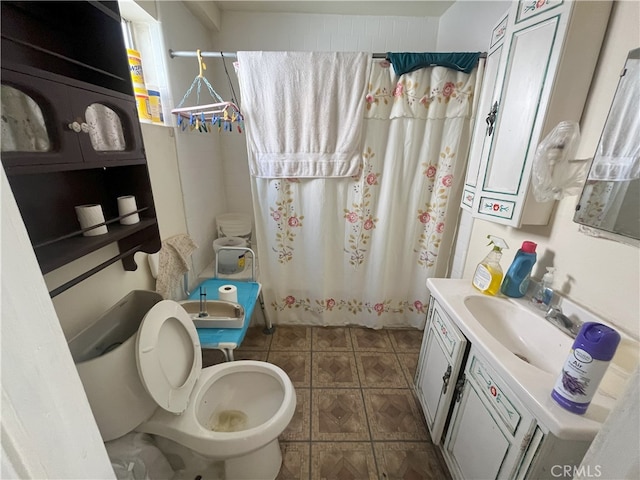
[168, 355]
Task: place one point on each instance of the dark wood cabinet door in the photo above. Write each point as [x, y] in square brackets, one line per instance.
[36, 122]
[110, 129]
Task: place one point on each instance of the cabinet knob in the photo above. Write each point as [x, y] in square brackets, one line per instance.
[460, 388]
[491, 118]
[75, 126]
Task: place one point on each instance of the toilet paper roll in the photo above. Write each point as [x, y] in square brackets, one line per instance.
[90, 215]
[127, 204]
[228, 293]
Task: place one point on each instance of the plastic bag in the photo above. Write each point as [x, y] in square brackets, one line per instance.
[555, 173]
[136, 457]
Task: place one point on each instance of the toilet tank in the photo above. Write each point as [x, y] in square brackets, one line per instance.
[104, 354]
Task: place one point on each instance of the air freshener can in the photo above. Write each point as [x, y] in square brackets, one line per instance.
[585, 366]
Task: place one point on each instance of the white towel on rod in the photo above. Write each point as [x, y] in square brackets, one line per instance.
[304, 112]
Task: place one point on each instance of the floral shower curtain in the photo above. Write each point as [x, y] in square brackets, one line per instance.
[358, 251]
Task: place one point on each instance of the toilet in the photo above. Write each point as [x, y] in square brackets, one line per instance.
[141, 366]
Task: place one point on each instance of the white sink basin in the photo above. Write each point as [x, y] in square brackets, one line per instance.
[215, 313]
[528, 336]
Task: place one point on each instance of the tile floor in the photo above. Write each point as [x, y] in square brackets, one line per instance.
[357, 416]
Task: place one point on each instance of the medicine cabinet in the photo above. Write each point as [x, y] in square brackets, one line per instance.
[540, 62]
[70, 130]
[611, 197]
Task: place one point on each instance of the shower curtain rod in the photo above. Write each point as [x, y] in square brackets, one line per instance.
[174, 54]
[183, 53]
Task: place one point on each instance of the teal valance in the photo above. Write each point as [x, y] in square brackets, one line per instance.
[405, 62]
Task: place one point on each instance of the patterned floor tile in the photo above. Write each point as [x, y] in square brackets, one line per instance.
[331, 339]
[338, 415]
[409, 364]
[258, 355]
[299, 428]
[291, 338]
[393, 415]
[212, 356]
[406, 340]
[367, 339]
[342, 461]
[380, 370]
[409, 461]
[295, 461]
[255, 340]
[297, 365]
[334, 369]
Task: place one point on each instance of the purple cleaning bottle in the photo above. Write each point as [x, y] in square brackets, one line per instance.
[585, 366]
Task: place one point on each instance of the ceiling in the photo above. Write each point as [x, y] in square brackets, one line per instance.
[424, 8]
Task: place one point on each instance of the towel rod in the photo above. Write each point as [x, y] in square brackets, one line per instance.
[74, 281]
[183, 53]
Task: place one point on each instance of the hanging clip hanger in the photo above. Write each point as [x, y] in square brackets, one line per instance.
[196, 117]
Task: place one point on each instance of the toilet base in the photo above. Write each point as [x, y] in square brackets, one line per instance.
[263, 464]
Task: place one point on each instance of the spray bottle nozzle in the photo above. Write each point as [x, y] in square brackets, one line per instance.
[498, 243]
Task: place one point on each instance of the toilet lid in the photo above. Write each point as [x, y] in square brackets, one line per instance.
[168, 355]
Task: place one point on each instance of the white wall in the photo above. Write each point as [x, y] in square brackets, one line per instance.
[48, 430]
[602, 275]
[199, 154]
[466, 25]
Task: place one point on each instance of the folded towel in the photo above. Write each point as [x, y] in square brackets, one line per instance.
[174, 263]
[303, 112]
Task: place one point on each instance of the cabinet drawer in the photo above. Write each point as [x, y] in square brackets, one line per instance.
[494, 390]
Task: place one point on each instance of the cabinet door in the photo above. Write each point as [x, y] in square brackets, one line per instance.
[35, 122]
[46, 122]
[521, 103]
[110, 129]
[476, 443]
[490, 429]
[484, 115]
[440, 362]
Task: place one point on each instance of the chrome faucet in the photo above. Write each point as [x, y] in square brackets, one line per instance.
[203, 303]
[564, 323]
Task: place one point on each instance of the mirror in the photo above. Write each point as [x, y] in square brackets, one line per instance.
[610, 199]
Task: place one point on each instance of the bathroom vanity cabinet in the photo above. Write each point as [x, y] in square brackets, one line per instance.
[481, 425]
[539, 66]
[70, 130]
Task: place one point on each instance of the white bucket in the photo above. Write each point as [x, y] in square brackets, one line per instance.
[230, 261]
[235, 225]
